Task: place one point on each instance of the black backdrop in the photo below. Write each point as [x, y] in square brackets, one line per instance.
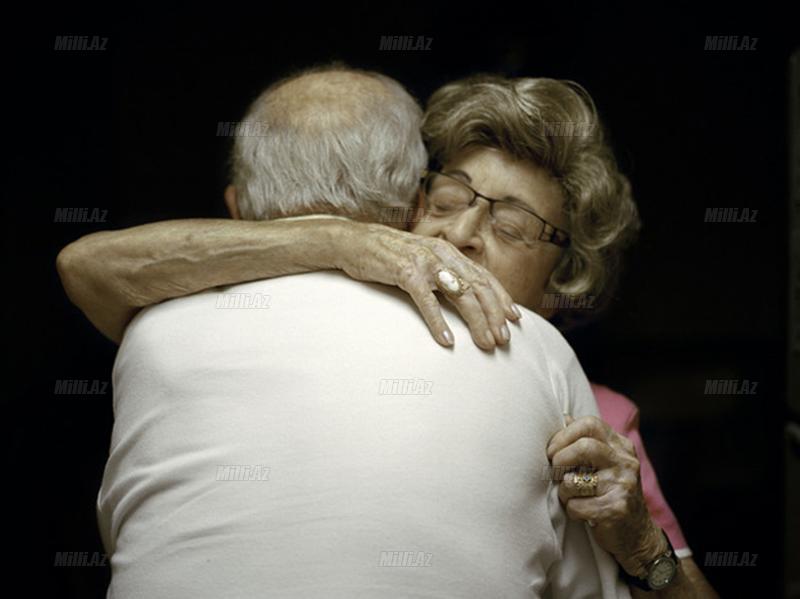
[132, 130]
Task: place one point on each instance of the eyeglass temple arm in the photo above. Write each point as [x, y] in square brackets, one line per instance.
[553, 235]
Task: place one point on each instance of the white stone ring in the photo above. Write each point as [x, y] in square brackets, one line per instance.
[450, 283]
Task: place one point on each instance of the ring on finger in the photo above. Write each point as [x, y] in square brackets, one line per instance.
[585, 483]
[450, 283]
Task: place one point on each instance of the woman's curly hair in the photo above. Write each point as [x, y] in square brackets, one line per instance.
[553, 123]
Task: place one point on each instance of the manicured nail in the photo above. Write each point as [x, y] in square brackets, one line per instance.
[516, 311]
[504, 332]
[448, 337]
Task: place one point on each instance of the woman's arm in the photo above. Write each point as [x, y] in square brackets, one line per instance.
[689, 583]
[110, 275]
[618, 512]
[622, 415]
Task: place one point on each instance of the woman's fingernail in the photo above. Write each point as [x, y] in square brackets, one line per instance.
[516, 311]
[448, 337]
[504, 332]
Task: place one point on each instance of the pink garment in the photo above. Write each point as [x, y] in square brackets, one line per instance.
[623, 416]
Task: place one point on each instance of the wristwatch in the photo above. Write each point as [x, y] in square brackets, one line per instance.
[660, 571]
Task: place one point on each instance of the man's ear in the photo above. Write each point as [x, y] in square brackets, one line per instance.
[230, 202]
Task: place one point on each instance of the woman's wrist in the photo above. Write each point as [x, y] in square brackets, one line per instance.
[650, 546]
[302, 244]
[363, 249]
[343, 239]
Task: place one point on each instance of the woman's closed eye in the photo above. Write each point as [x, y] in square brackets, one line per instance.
[508, 231]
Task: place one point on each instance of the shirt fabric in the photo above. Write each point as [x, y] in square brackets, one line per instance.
[305, 437]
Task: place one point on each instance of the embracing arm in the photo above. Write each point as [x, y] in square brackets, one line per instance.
[111, 275]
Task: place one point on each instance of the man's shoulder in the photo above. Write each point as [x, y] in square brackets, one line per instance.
[330, 304]
[307, 303]
[318, 282]
[328, 293]
[544, 332]
[260, 293]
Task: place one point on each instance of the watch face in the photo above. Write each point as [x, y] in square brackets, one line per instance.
[662, 573]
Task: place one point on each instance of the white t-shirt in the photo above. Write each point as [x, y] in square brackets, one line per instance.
[305, 437]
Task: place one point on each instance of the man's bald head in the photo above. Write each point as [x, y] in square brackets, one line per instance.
[334, 140]
[326, 98]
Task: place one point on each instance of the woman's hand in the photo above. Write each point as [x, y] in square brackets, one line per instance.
[618, 512]
[381, 254]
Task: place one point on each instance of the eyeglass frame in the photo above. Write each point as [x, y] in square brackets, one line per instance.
[556, 236]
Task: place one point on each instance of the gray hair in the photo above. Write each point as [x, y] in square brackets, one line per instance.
[360, 155]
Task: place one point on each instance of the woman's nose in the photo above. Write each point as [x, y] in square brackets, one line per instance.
[465, 230]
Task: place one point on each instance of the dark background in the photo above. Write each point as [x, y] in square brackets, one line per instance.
[133, 130]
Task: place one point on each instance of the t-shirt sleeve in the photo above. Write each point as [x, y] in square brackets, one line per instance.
[584, 568]
[567, 378]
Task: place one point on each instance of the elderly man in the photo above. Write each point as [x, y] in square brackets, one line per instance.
[299, 436]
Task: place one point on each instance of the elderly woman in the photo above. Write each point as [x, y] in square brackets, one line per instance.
[523, 199]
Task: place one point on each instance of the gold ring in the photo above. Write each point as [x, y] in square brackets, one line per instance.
[585, 483]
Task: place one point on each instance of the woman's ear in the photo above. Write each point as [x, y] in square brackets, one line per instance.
[230, 202]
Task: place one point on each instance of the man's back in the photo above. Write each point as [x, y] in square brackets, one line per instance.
[304, 436]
